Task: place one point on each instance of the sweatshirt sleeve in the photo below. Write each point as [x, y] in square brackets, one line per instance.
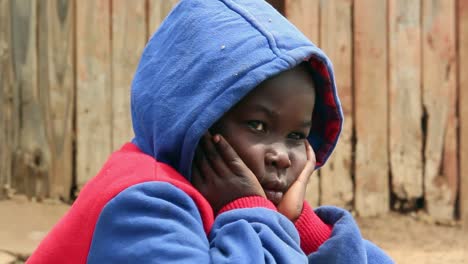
[345, 244]
[156, 222]
[312, 230]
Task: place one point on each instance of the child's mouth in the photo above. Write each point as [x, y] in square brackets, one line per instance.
[274, 196]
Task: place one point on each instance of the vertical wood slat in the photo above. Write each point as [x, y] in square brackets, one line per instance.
[336, 184]
[56, 85]
[304, 14]
[463, 107]
[440, 174]
[370, 63]
[7, 100]
[158, 10]
[128, 41]
[32, 157]
[405, 109]
[94, 95]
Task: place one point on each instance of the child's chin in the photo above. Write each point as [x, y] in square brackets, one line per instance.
[274, 196]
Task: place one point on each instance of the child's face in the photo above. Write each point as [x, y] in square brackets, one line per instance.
[268, 129]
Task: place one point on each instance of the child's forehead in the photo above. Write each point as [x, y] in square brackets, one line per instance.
[295, 85]
[299, 73]
[284, 84]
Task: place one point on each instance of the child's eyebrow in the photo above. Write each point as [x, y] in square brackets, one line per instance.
[274, 114]
[262, 108]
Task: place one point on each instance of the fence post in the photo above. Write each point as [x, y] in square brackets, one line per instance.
[8, 101]
[57, 87]
[128, 41]
[463, 106]
[94, 94]
[405, 108]
[439, 97]
[371, 106]
[31, 164]
[336, 183]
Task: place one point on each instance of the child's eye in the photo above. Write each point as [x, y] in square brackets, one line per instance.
[256, 125]
[297, 136]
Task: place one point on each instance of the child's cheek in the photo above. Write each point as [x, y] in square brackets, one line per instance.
[301, 157]
[299, 162]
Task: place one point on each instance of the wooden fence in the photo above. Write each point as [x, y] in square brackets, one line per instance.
[401, 68]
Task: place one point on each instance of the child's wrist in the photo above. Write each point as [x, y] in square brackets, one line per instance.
[247, 202]
[312, 230]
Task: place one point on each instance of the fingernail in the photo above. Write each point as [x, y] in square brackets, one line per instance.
[216, 138]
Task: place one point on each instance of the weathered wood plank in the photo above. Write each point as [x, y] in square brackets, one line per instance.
[336, 183]
[439, 91]
[370, 64]
[7, 100]
[463, 107]
[405, 108]
[32, 157]
[94, 94]
[157, 11]
[56, 85]
[128, 41]
[304, 14]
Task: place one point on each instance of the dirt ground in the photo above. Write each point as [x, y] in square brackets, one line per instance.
[415, 239]
[408, 239]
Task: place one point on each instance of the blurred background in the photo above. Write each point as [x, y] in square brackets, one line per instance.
[401, 166]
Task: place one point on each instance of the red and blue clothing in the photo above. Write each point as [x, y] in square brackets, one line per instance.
[139, 210]
[141, 207]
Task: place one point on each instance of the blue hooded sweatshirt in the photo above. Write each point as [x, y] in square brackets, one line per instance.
[141, 208]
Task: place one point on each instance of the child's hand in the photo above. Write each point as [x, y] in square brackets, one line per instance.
[293, 199]
[220, 174]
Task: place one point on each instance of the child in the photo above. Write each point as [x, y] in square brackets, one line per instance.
[226, 99]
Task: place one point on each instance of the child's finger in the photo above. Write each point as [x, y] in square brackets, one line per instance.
[214, 157]
[205, 167]
[306, 173]
[229, 155]
[309, 151]
[196, 160]
[197, 178]
[310, 165]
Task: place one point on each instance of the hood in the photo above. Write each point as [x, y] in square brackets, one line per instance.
[205, 57]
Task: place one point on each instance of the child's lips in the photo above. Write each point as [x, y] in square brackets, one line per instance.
[274, 196]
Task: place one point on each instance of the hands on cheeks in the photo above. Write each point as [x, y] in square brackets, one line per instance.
[293, 199]
[221, 176]
[219, 173]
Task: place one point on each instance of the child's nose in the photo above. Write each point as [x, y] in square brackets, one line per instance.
[278, 157]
